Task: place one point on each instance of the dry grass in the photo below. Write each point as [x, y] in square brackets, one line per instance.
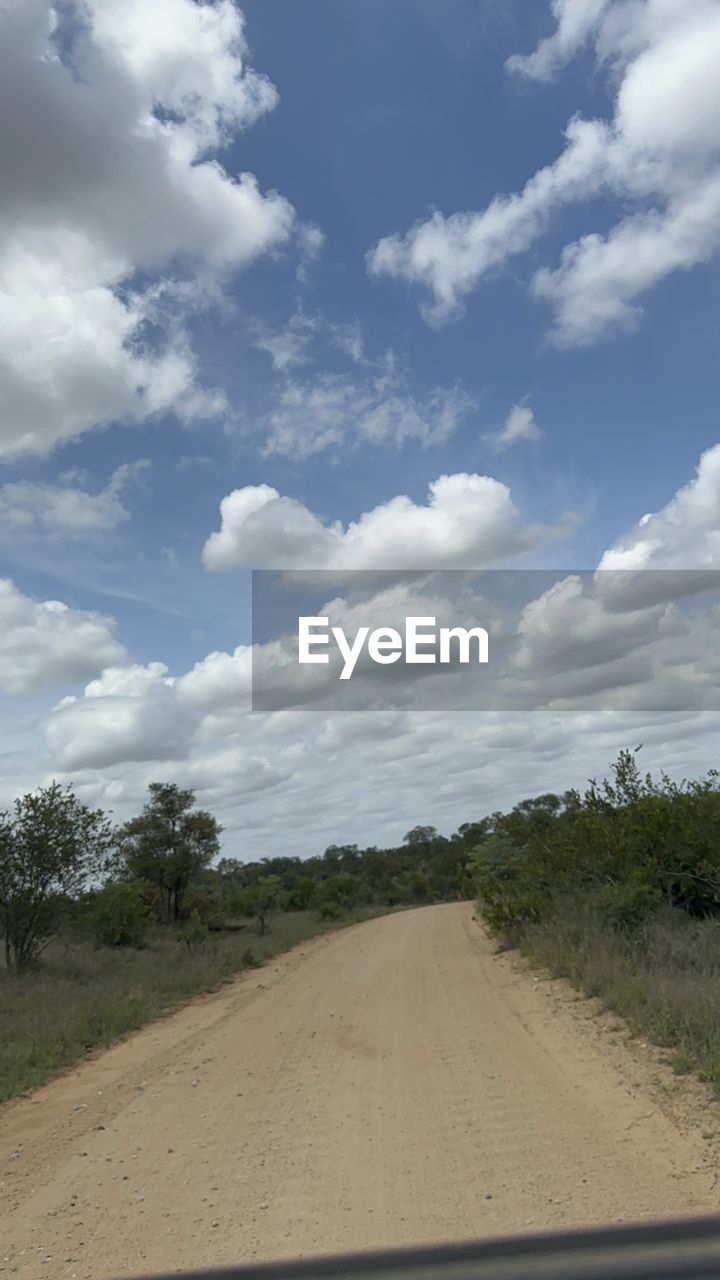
[664, 981]
[80, 998]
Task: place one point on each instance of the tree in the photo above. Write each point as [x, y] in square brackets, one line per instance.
[169, 843]
[470, 834]
[262, 900]
[340, 859]
[421, 836]
[50, 847]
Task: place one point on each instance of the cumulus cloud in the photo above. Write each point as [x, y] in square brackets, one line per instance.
[142, 713]
[626, 621]
[659, 155]
[635, 638]
[468, 521]
[109, 172]
[128, 714]
[43, 643]
[193, 57]
[684, 534]
[567, 629]
[596, 287]
[554, 639]
[568, 652]
[616, 640]
[643, 668]
[220, 681]
[295, 782]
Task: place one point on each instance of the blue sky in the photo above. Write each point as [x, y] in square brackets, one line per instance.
[170, 342]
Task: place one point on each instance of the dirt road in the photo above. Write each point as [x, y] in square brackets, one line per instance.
[396, 1082]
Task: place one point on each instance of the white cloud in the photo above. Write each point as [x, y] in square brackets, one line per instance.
[64, 509]
[288, 347]
[193, 56]
[327, 409]
[44, 643]
[349, 338]
[602, 641]
[659, 155]
[596, 287]
[107, 172]
[310, 241]
[134, 723]
[220, 681]
[449, 255]
[295, 782]
[520, 424]
[469, 521]
[127, 714]
[581, 641]
[577, 21]
[372, 403]
[683, 535]
[318, 769]
[293, 345]
[139, 713]
[31, 506]
[567, 629]
[596, 643]
[142, 713]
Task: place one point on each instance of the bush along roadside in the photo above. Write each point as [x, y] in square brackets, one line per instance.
[618, 890]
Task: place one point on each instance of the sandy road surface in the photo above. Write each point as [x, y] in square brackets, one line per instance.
[392, 1083]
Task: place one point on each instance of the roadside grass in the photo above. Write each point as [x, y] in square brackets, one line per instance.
[80, 998]
[663, 980]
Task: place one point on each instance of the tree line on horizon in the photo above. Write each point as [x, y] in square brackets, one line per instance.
[623, 848]
[67, 871]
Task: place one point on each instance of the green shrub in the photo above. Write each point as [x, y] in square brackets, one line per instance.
[118, 916]
[330, 911]
[301, 895]
[264, 898]
[626, 906]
